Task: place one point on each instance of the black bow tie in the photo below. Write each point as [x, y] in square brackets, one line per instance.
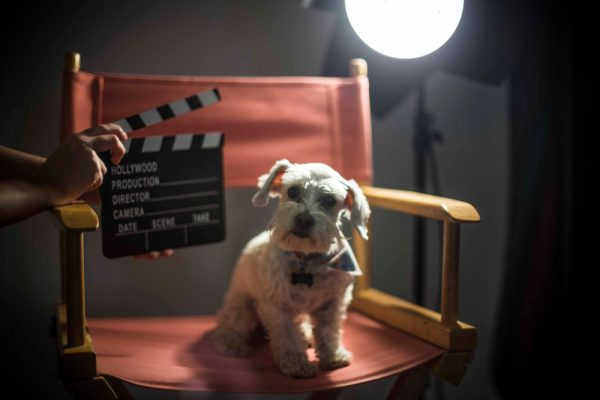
[302, 278]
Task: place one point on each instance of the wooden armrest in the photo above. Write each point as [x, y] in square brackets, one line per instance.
[415, 320]
[75, 217]
[423, 205]
[460, 339]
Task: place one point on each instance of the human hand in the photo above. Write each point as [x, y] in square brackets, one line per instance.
[75, 168]
[153, 255]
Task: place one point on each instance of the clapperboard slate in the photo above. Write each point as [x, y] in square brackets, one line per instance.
[167, 192]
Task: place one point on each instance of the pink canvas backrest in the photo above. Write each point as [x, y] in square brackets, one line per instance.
[303, 119]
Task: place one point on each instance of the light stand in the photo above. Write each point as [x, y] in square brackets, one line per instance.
[424, 138]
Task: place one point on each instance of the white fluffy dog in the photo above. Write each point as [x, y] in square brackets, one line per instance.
[297, 277]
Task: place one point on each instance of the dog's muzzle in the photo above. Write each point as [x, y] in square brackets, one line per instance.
[303, 224]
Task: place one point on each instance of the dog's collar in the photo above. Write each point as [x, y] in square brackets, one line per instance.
[343, 260]
[310, 258]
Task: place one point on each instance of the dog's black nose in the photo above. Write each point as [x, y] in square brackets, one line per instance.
[304, 221]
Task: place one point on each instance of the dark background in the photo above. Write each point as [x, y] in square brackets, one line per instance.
[515, 140]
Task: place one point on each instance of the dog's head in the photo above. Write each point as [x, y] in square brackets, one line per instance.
[314, 198]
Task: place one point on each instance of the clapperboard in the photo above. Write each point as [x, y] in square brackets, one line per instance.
[167, 192]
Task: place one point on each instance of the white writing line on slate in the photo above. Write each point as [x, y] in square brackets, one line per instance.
[186, 196]
[213, 222]
[190, 181]
[178, 210]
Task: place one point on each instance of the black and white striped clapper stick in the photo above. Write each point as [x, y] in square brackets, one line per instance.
[167, 192]
[171, 110]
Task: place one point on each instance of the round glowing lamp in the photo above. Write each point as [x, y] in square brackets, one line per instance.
[404, 28]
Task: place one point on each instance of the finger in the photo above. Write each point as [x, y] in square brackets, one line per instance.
[98, 178]
[108, 142]
[98, 171]
[153, 255]
[99, 163]
[167, 253]
[94, 186]
[104, 129]
[116, 130]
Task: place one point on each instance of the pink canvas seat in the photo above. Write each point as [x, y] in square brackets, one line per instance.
[173, 353]
[303, 119]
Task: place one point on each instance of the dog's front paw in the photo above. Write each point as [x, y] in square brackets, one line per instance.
[296, 365]
[334, 360]
[229, 343]
[307, 333]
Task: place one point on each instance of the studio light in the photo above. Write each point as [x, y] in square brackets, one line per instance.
[404, 28]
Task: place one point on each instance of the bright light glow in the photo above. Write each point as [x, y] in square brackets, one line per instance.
[404, 28]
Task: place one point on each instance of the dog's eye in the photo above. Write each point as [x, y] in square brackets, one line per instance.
[294, 193]
[327, 202]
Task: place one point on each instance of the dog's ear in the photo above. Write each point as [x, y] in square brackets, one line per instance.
[270, 184]
[357, 206]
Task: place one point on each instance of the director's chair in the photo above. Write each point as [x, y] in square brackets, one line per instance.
[304, 119]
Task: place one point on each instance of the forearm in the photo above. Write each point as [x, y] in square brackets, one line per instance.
[20, 199]
[16, 164]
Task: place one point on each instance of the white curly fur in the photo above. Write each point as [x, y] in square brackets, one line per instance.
[294, 316]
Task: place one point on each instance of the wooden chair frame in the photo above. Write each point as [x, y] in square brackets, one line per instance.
[77, 360]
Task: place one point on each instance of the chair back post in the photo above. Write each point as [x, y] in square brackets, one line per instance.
[362, 251]
[362, 248]
[358, 67]
[72, 264]
[73, 62]
[450, 253]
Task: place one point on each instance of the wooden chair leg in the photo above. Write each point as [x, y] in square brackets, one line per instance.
[410, 385]
[330, 394]
[98, 388]
[118, 387]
